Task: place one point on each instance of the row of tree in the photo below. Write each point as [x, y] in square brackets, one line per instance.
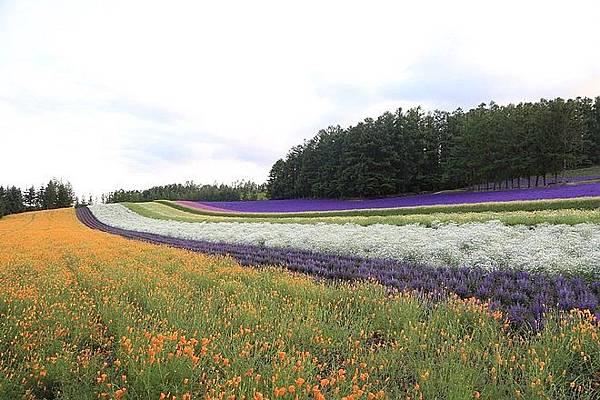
[414, 151]
[56, 194]
[241, 190]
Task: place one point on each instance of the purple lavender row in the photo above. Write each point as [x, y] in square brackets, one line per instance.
[447, 198]
[524, 296]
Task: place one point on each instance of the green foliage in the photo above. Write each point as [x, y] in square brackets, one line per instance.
[56, 194]
[588, 171]
[409, 152]
[13, 200]
[241, 190]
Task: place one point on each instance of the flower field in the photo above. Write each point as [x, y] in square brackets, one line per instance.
[568, 216]
[526, 297]
[557, 249]
[445, 198]
[89, 315]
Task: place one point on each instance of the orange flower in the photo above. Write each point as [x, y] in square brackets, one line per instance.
[258, 396]
[120, 393]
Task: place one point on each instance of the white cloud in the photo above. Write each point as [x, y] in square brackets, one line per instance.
[115, 94]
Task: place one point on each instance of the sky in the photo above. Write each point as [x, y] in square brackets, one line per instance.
[130, 94]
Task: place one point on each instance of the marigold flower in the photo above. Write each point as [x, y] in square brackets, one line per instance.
[120, 393]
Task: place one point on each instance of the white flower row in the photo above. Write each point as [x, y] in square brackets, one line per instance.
[490, 245]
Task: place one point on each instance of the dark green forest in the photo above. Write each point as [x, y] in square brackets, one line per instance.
[55, 194]
[487, 147]
[241, 190]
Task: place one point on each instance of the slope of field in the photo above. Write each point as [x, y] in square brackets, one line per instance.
[445, 198]
[490, 245]
[580, 203]
[88, 315]
[527, 297]
[568, 216]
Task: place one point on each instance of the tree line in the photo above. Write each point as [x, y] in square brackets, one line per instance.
[414, 151]
[240, 190]
[55, 194]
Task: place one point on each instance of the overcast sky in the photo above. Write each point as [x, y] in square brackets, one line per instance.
[131, 94]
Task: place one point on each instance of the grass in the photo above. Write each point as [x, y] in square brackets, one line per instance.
[87, 315]
[589, 171]
[160, 210]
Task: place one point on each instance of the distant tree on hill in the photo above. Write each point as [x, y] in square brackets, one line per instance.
[592, 135]
[41, 194]
[14, 200]
[240, 190]
[2, 202]
[64, 195]
[30, 198]
[50, 195]
[55, 194]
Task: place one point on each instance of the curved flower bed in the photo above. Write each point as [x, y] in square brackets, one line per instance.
[555, 249]
[445, 198]
[525, 296]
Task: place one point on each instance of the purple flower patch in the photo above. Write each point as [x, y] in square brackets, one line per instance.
[446, 198]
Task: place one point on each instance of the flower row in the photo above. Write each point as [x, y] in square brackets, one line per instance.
[525, 296]
[457, 197]
[554, 249]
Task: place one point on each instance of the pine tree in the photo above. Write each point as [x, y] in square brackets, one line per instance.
[14, 200]
[40, 199]
[64, 195]
[2, 202]
[30, 198]
[50, 195]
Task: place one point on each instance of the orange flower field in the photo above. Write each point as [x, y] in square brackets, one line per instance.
[88, 315]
